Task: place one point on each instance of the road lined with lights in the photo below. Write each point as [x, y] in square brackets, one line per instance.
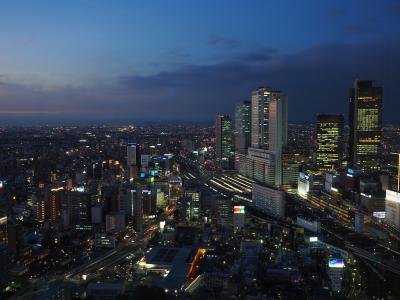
[333, 227]
[82, 273]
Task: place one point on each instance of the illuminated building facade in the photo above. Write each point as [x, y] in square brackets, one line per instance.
[242, 126]
[41, 199]
[133, 154]
[224, 137]
[365, 126]
[269, 200]
[392, 208]
[194, 203]
[259, 117]
[261, 166]
[291, 163]
[329, 141]
[54, 203]
[238, 217]
[263, 162]
[268, 119]
[309, 183]
[133, 159]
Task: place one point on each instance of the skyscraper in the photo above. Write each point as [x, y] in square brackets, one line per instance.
[365, 126]
[224, 137]
[133, 159]
[329, 141]
[259, 117]
[133, 154]
[268, 119]
[278, 122]
[78, 205]
[242, 126]
[268, 137]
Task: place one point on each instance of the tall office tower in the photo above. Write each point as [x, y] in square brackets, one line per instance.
[278, 128]
[268, 119]
[365, 126]
[259, 117]
[78, 207]
[133, 159]
[329, 141]
[224, 137]
[133, 154]
[242, 126]
[126, 200]
[278, 122]
[149, 202]
[268, 136]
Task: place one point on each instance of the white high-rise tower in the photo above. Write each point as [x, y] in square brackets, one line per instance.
[268, 136]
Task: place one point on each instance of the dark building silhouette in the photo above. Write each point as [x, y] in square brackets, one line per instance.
[242, 126]
[224, 137]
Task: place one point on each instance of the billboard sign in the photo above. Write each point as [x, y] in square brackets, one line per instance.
[379, 214]
[239, 209]
[337, 263]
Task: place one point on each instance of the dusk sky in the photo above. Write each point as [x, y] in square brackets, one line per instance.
[117, 61]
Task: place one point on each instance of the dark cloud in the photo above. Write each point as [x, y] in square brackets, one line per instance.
[261, 54]
[337, 12]
[365, 26]
[316, 80]
[394, 8]
[179, 54]
[217, 40]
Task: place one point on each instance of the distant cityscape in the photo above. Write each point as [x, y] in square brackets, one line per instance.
[251, 208]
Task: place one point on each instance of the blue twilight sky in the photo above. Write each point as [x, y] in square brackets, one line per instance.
[117, 61]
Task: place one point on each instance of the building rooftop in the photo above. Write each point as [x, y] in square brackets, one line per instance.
[176, 261]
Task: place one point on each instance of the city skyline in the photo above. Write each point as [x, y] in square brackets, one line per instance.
[199, 150]
[92, 62]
